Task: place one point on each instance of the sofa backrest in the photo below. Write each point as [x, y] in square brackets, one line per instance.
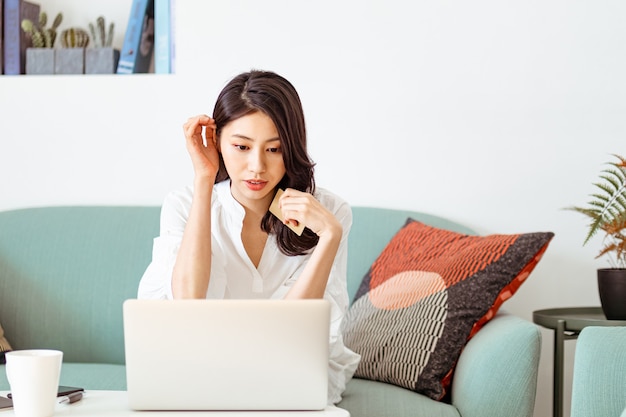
[65, 271]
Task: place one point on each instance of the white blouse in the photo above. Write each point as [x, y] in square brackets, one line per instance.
[233, 275]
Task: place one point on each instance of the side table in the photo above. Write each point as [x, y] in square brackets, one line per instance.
[567, 324]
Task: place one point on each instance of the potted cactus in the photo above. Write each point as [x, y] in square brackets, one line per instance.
[40, 57]
[607, 213]
[70, 58]
[102, 58]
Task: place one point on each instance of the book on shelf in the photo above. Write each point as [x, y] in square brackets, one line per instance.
[164, 36]
[138, 47]
[1, 37]
[172, 36]
[15, 40]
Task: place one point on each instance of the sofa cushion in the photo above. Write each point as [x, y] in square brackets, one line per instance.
[364, 397]
[4, 346]
[426, 295]
[90, 376]
[94, 376]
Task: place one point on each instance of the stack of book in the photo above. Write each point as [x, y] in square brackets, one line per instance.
[150, 30]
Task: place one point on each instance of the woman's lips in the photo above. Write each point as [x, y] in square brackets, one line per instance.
[255, 185]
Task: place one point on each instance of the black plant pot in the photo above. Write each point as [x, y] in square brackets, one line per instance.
[612, 288]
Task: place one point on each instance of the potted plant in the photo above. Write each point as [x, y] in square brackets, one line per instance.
[40, 58]
[607, 213]
[70, 58]
[102, 58]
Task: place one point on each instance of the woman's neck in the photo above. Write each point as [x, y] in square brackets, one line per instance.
[255, 209]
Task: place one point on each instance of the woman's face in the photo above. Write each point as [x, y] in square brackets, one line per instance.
[253, 158]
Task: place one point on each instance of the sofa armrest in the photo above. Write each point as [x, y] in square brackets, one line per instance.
[599, 383]
[496, 374]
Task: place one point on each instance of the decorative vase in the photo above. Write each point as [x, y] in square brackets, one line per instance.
[69, 61]
[612, 289]
[101, 60]
[39, 61]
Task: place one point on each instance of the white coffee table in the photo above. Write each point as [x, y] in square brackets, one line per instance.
[115, 404]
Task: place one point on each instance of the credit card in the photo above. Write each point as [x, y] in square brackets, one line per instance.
[275, 210]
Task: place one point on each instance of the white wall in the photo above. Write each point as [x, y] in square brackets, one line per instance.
[497, 114]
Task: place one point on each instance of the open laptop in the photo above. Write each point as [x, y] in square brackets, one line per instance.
[226, 354]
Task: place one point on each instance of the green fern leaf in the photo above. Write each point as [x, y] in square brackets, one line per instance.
[600, 198]
[607, 209]
[609, 192]
[613, 182]
[617, 174]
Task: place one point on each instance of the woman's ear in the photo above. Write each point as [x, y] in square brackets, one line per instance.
[216, 141]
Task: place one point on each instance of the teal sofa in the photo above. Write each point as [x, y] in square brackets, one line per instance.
[65, 271]
[599, 382]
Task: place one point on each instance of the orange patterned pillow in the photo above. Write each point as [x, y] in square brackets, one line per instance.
[427, 294]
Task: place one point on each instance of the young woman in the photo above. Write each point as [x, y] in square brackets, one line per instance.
[218, 238]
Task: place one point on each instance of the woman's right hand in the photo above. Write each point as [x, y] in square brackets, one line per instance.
[192, 269]
[204, 153]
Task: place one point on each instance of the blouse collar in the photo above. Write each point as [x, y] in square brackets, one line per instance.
[232, 206]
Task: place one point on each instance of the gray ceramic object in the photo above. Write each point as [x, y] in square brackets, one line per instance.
[39, 61]
[69, 61]
[101, 60]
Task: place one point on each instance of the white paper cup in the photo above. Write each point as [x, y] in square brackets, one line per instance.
[34, 379]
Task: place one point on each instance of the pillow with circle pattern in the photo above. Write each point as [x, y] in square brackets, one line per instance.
[429, 291]
[4, 346]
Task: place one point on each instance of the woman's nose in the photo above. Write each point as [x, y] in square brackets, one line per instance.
[256, 163]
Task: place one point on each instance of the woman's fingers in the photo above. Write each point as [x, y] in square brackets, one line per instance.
[302, 208]
[195, 125]
[200, 137]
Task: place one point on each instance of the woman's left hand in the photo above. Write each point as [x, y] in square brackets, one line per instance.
[302, 208]
[297, 206]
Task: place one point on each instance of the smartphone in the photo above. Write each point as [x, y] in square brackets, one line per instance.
[63, 391]
[5, 403]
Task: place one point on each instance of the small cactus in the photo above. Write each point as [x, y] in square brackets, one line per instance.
[74, 38]
[101, 38]
[42, 36]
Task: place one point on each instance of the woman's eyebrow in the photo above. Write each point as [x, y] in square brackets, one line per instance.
[244, 137]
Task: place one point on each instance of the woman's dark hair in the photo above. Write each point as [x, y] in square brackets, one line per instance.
[276, 97]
